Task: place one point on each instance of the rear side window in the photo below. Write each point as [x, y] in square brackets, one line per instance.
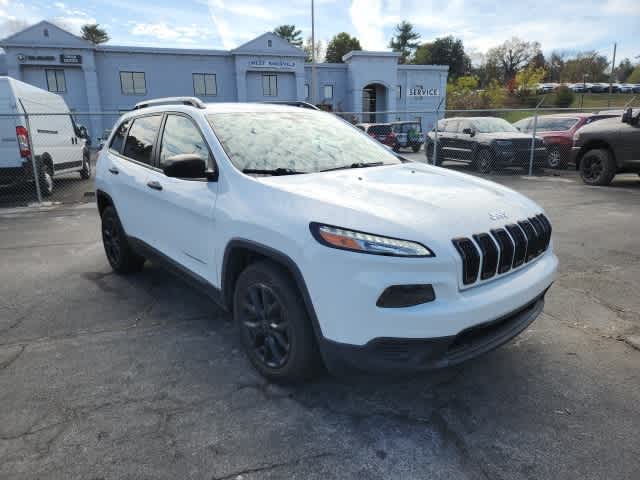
[452, 126]
[118, 139]
[142, 135]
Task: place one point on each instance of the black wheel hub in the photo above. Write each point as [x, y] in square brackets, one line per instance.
[111, 240]
[263, 319]
[592, 168]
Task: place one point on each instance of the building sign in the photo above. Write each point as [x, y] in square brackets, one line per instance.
[420, 91]
[272, 63]
[73, 59]
[35, 58]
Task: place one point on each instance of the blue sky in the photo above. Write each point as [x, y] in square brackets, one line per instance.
[569, 26]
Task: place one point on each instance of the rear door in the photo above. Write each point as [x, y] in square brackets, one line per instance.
[9, 150]
[182, 209]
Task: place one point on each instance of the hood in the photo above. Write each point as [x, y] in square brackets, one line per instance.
[412, 200]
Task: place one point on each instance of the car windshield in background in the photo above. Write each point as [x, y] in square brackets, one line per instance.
[301, 142]
[380, 130]
[491, 125]
[406, 127]
[555, 124]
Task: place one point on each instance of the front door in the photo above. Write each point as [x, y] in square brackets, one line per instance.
[182, 209]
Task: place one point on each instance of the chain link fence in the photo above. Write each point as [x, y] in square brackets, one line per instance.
[51, 157]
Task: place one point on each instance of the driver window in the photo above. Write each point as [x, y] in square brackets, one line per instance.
[452, 126]
[181, 136]
[462, 125]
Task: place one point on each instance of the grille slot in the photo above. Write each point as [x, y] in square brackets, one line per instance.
[532, 240]
[470, 259]
[520, 244]
[489, 255]
[505, 244]
[503, 249]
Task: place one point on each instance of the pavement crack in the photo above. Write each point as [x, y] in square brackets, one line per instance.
[273, 466]
[12, 359]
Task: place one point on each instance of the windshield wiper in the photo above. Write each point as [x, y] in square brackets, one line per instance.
[272, 171]
[354, 165]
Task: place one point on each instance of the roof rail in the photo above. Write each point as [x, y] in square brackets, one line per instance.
[295, 103]
[191, 101]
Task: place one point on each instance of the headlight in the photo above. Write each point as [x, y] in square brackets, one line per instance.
[337, 237]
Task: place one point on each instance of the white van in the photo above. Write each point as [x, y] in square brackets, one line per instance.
[53, 142]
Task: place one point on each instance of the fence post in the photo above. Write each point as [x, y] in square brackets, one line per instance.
[34, 164]
[435, 144]
[533, 136]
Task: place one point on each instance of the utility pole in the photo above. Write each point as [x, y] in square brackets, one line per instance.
[613, 67]
[313, 56]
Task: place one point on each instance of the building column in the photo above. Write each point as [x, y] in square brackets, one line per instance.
[300, 79]
[392, 96]
[96, 121]
[241, 85]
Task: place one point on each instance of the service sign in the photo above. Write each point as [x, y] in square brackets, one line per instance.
[73, 59]
[420, 91]
[272, 64]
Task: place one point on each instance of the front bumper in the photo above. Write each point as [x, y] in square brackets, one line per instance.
[401, 355]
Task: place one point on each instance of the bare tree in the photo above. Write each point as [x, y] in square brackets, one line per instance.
[513, 55]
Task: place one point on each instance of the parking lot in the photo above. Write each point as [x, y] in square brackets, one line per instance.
[103, 376]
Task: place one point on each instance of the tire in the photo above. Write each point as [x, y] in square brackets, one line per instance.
[483, 161]
[597, 167]
[416, 148]
[119, 253]
[45, 178]
[85, 173]
[556, 159]
[396, 148]
[275, 330]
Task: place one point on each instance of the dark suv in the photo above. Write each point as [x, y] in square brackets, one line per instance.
[607, 147]
[485, 142]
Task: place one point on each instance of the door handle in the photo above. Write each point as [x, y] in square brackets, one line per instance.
[114, 170]
[155, 185]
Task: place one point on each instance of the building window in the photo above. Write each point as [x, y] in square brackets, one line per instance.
[133, 83]
[327, 92]
[306, 90]
[270, 85]
[269, 43]
[399, 92]
[204, 84]
[56, 81]
[45, 32]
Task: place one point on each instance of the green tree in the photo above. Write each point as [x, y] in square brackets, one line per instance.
[594, 66]
[623, 70]
[528, 78]
[290, 34]
[563, 97]
[463, 93]
[512, 56]
[635, 75]
[339, 46]
[94, 34]
[444, 51]
[405, 41]
[554, 66]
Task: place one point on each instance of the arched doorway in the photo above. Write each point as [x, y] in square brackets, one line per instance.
[374, 99]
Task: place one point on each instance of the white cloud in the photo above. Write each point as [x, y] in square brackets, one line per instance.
[163, 31]
[370, 19]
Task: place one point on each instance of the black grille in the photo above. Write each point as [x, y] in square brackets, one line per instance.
[532, 240]
[503, 249]
[520, 244]
[506, 249]
[489, 255]
[470, 259]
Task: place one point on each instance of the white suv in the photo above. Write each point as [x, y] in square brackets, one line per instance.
[325, 246]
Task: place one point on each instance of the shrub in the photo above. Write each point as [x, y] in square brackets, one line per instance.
[564, 97]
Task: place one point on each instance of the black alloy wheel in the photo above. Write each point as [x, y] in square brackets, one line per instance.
[264, 319]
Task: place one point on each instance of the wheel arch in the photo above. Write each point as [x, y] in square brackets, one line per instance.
[240, 252]
[46, 159]
[103, 200]
[595, 145]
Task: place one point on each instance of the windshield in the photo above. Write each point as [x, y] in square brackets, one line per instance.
[490, 125]
[304, 141]
[406, 127]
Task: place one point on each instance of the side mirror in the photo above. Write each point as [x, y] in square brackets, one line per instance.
[468, 131]
[627, 115]
[185, 166]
